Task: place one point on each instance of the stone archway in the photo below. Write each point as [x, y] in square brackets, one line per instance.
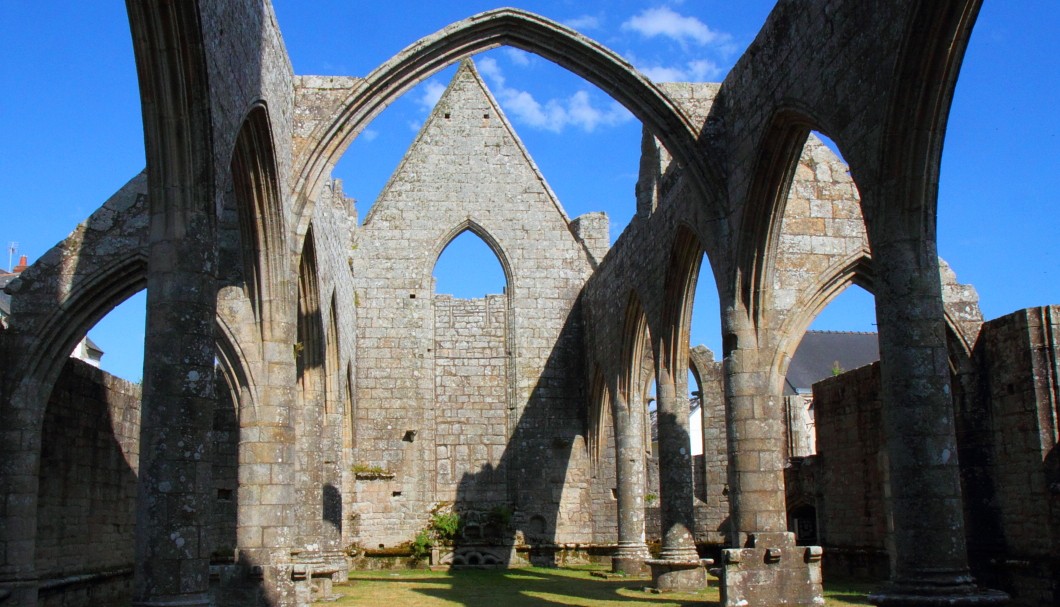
[520, 29]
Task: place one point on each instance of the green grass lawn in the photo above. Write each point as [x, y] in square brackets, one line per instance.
[533, 587]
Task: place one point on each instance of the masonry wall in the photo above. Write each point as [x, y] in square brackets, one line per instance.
[225, 475]
[852, 525]
[467, 170]
[711, 473]
[604, 485]
[1018, 355]
[472, 396]
[87, 495]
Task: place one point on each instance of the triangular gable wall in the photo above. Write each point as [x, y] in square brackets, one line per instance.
[468, 170]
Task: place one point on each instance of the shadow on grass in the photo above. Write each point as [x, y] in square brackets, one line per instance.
[535, 588]
[848, 592]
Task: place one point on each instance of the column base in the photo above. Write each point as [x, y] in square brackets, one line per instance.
[678, 576]
[897, 595]
[781, 574]
[629, 559]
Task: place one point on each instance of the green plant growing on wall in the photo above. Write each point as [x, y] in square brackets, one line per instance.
[421, 545]
[366, 469]
[445, 526]
[837, 369]
[651, 498]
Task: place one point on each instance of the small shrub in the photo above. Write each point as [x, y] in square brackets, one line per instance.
[421, 545]
[446, 526]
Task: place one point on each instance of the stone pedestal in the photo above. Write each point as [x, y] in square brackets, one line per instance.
[314, 573]
[784, 574]
[679, 576]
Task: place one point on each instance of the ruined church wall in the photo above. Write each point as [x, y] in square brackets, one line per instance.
[1012, 501]
[87, 495]
[471, 378]
[850, 473]
[466, 169]
[711, 469]
[245, 50]
[334, 222]
[1018, 354]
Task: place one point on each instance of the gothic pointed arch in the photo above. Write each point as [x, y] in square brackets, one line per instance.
[636, 342]
[469, 225]
[915, 126]
[526, 31]
[783, 144]
[686, 257]
[599, 415]
[259, 209]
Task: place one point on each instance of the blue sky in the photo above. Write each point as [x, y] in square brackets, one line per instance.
[70, 116]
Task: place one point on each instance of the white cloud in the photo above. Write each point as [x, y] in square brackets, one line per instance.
[554, 115]
[487, 66]
[696, 70]
[369, 135]
[704, 70]
[585, 22]
[432, 92]
[518, 56]
[663, 21]
[664, 74]
[693, 71]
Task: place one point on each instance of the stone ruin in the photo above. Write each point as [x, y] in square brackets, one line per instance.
[308, 397]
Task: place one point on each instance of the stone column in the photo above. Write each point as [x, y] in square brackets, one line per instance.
[675, 472]
[266, 512]
[755, 423]
[628, 418]
[929, 563]
[678, 566]
[764, 567]
[179, 395]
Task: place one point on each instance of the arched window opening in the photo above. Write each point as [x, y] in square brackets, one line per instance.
[469, 269]
[116, 343]
[705, 326]
[706, 399]
[842, 338]
[89, 450]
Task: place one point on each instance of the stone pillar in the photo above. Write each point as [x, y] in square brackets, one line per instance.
[179, 395]
[929, 563]
[755, 420]
[764, 567]
[675, 472]
[678, 566]
[628, 418]
[266, 505]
